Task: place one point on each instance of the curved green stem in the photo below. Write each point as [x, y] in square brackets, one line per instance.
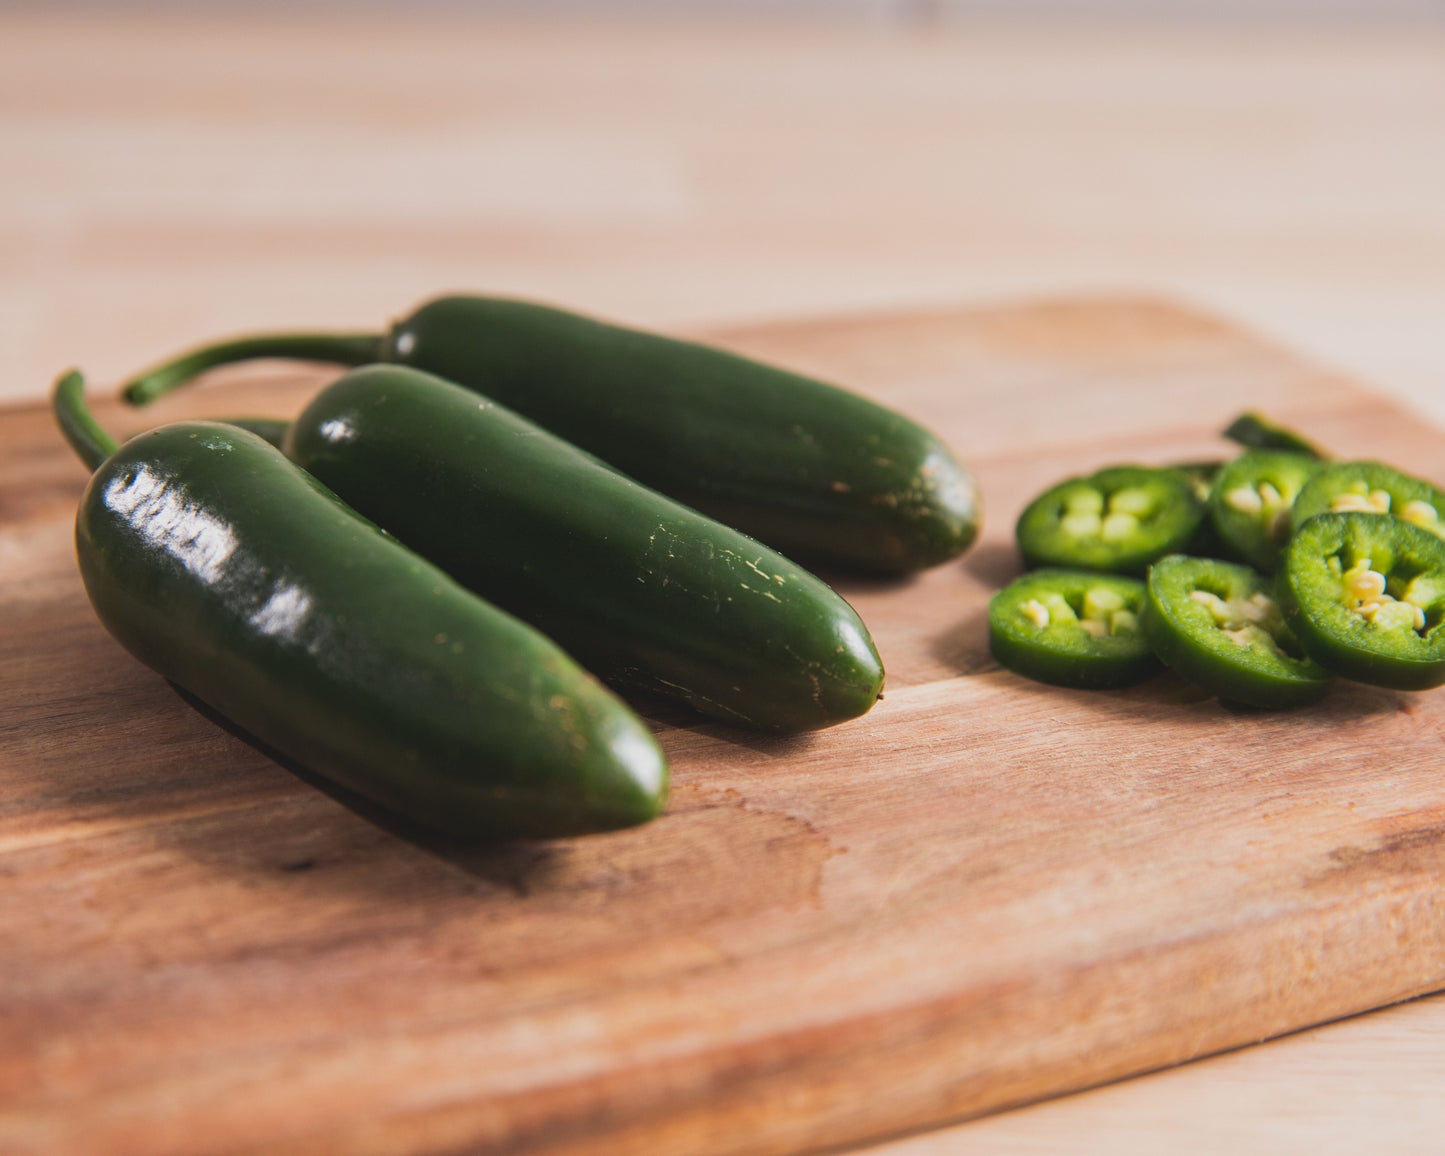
[337, 348]
[85, 435]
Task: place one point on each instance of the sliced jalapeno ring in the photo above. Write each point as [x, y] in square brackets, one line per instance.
[1201, 475]
[1251, 500]
[1365, 596]
[1255, 431]
[1071, 628]
[1218, 625]
[1119, 519]
[1371, 488]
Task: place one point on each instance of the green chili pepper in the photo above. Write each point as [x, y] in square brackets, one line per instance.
[1071, 628]
[813, 470]
[1251, 500]
[1365, 596]
[1371, 488]
[1218, 625]
[644, 591]
[1119, 519]
[1255, 431]
[232, 572]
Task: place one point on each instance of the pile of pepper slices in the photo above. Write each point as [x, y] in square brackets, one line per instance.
[1257, 579]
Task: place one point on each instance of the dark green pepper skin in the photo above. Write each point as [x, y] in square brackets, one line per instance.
[644, 591]
[815, 471]
[221, 565]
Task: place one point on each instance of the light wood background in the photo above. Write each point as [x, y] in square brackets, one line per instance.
[171, 177]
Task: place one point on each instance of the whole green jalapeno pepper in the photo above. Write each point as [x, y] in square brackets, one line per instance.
[811, 469]
[226, 568]
[644, 591]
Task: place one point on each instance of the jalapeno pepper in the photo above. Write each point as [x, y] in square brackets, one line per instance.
[1071, 628]
[1218, 625]
[1119, 519]
[1371, 488]
[813, 470]
[1255, 431]
[1250, 503]
[1365, 596]
[232, 572]
[643, 591]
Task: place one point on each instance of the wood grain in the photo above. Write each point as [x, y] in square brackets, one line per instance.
[982, 893]
[171, 174]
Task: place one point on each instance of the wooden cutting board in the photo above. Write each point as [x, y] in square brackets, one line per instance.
[984, 892]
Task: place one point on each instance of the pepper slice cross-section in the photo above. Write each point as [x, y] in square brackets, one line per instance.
[1371, 488]
[1251, 500]
[1217, 625]
[1119, 520]
[1365, 596]
[1071, 628]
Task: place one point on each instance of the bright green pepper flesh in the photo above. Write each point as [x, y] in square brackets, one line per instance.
[1117, 520]
[1365, 596]
[1370, 487]
[223, 566]
[1217, 624]
[644, 591]
[1250, 503]
[1071, 628]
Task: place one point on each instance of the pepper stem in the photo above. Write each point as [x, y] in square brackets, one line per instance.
[86, 437]
[333, 348]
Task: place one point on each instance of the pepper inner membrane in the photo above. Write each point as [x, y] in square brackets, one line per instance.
[1358, 497]
[1114, 517]
[1396, 598]
[1267, 500]
[1254, 622]
[1098, 611]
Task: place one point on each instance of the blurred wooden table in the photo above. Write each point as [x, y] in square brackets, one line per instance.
[172, 177]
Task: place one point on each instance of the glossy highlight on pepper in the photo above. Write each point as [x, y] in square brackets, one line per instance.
[227, 569]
